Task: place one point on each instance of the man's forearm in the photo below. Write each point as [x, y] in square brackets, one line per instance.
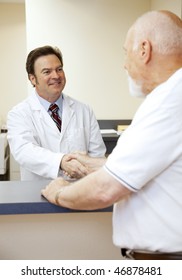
[95, 191]
[95, 163]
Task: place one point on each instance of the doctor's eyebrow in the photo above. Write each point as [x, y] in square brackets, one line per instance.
[60, 67]
[46, 70]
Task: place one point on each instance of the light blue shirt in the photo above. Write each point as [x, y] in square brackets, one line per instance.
[46, 104]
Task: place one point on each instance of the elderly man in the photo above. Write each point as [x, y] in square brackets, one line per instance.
[143, 175]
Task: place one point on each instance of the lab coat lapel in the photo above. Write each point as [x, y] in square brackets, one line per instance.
[68, 113]
[40, 114]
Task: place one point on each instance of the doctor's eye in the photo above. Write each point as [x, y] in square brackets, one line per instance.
[60, 69]
[46, 72]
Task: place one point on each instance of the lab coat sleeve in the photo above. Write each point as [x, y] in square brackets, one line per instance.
[96, 144]
[26, 149]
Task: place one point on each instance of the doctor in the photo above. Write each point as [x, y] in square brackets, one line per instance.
[36, 142]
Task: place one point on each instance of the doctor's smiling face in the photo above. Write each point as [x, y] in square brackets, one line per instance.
[48, 78]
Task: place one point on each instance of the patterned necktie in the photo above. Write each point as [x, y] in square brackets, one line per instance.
[55, 116]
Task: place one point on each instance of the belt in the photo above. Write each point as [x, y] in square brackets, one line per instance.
[147, 255]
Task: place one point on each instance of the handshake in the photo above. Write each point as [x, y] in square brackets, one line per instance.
[80, 164]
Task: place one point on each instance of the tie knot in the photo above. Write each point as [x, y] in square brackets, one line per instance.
[54, 108]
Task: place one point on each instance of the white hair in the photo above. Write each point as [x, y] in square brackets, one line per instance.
[163, 29]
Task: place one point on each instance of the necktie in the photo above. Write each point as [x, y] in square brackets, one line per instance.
[55, 116]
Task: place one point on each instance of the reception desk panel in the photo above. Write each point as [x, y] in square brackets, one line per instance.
[34, 229]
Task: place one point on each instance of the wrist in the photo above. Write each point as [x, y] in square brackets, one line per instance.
[61, 163]
[57, 196]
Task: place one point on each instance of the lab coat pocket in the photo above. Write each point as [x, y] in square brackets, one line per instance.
[78, 139]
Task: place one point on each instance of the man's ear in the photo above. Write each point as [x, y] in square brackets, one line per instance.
[146, 51]
[32, 79]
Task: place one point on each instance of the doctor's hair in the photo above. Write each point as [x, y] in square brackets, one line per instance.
[38, 52]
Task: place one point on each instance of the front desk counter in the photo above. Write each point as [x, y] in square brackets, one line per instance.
[32, 228]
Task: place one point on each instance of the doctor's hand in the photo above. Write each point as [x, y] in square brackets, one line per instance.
[73, 168]
[92, 163]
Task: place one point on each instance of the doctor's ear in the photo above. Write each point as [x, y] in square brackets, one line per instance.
[32, 79]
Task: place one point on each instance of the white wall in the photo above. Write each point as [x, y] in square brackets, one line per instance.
[13, 78]
[90, 33]
[91, 36]
[12, 56]
[173, 6]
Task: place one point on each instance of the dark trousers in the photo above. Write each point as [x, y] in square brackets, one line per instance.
[144, 255]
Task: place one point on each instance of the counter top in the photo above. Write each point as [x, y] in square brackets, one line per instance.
[25, 198]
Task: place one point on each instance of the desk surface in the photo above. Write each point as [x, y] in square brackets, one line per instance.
[110, 136]
[25, 198]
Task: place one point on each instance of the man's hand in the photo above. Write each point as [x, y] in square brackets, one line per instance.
[95, 191]
[91, 163]
[53, 189]
[73, 168]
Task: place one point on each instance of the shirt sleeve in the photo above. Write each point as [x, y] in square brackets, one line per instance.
[146, 148]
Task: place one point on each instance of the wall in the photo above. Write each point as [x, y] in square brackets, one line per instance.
[70, 236]
[13, 79]
[174, 6]
[12, 56]
[91, 36]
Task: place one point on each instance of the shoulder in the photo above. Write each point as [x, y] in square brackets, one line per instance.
[76, 103]
[23, 107]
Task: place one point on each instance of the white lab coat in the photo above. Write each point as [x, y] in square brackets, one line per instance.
[38, 146]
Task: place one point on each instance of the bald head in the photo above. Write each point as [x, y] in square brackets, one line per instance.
[153, 49]
[162, 28]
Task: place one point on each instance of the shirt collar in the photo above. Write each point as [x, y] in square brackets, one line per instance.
[46, 103]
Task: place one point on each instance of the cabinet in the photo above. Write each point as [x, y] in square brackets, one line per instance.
[4, 157]
[111, 139]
